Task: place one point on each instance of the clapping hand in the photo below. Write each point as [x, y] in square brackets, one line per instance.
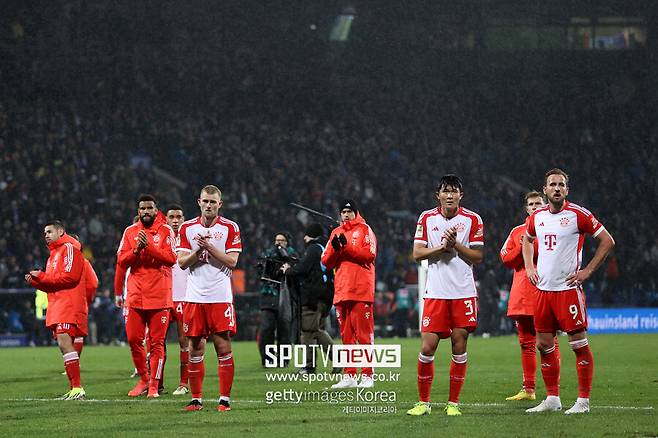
[142, 240]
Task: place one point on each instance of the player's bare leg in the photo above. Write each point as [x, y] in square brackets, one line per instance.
[428, 346]
[550, 370]
[72, 367]
[585, 370]
[225, 369]
[458, 366]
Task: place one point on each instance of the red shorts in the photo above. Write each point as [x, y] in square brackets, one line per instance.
[562, 310]
[204, 319]
[442, 315]
[177, 311]
[70, 329]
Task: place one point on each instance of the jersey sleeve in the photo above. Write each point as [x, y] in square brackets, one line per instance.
[364, 250]
[421, 230]
[67, 275]
[182, 242]
[530, 226]
[233, 239]
[510, 253]
[476, 236]
[163, 251]
[587, 223]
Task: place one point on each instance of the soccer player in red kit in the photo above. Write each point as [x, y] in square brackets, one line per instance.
[522, 301]
[451, 238]
[147, 248]
[559, 229]
[91, 284]
[209, 247]
[175, 219]
[64, 281]
[351, 250]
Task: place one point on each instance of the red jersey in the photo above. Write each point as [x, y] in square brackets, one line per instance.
[64, 282]
[149, 282]
[91, 282]
[354, 263]
[523, 295]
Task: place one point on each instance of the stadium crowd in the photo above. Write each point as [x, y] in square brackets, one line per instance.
[269, 134]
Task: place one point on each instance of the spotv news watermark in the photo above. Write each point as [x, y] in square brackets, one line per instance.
[342, 356]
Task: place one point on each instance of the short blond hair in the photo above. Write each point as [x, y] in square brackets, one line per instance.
[212, 190]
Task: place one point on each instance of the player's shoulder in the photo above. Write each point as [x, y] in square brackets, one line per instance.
[228, 223]
[540, 211]
[132, 227]
[518, 228]
[188, 223]
[428, 213]
[577, 209]
[471, 214]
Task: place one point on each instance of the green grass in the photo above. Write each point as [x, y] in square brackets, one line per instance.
[626, 376]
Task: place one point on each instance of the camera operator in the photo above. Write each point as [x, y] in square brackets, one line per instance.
[275, 307]
[316, 290]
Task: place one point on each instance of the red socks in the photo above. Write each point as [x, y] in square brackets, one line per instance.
[197, 371]
[225, 371]
[527, 339]
[584, 366]
[72, 367]
[184, 359]
[457, 376]
[425, 376]
[550, 370]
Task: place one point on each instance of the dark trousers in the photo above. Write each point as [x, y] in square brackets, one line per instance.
[272, 328]
[314, 333]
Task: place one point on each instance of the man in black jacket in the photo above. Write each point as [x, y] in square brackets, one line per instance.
[316, 286]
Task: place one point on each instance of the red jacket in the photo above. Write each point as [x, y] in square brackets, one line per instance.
[354, 263]
[91, 282]
[149, 282]
[65, 284]
[119, 280]
[523, 295]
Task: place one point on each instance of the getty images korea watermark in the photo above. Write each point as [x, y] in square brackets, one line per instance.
[355, 400]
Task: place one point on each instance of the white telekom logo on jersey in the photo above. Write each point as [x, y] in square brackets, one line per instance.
[369, 356]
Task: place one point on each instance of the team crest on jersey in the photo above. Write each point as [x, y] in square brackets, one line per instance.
[426, 321]
[419, 231]
[356, 234]
[163, 320]
[218, 235]
[460, 227]
[564, 221]
[367, 315]
[156, 239]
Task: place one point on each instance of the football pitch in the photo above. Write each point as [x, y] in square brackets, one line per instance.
[624, 399]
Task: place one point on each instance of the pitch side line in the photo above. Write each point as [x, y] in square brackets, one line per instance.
[238, 402]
